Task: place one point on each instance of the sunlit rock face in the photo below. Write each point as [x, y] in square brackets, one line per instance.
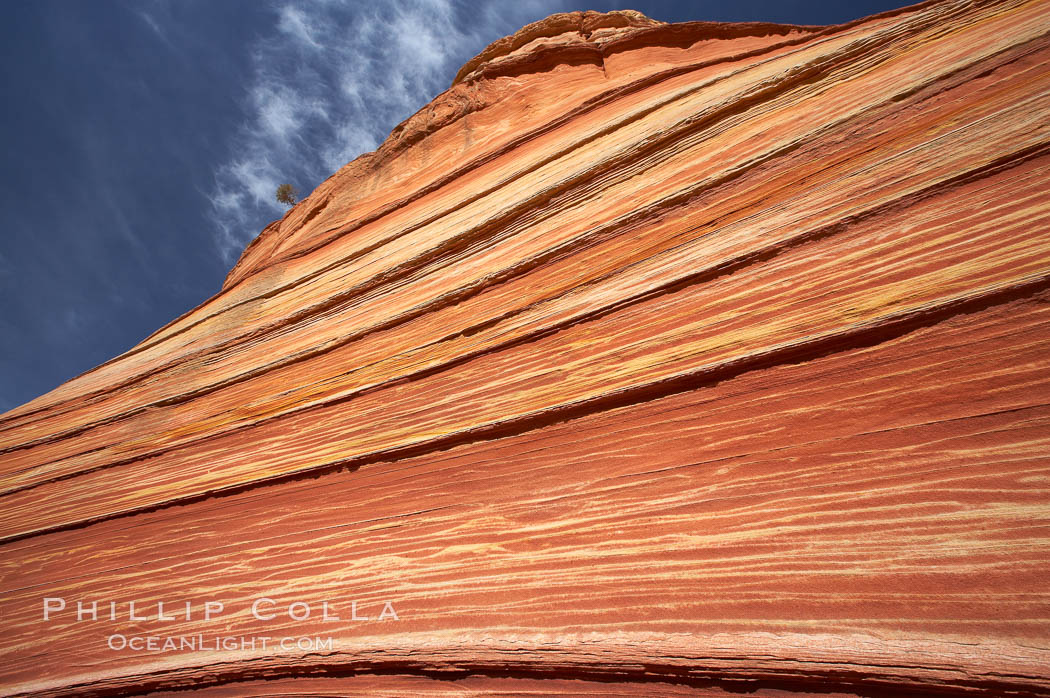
[647, 359]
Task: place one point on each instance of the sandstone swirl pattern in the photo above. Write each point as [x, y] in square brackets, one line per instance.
[646, 360]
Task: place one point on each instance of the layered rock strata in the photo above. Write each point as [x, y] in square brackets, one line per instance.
[647, 359]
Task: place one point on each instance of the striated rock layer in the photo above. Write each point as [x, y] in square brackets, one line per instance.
[647, 359]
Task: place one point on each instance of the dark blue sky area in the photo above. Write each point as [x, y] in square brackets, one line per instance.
[143, 140]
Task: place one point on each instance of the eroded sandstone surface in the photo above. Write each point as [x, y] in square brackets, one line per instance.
[647, 359]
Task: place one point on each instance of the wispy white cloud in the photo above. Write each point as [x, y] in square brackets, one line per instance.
[330, 82]
[152, 23]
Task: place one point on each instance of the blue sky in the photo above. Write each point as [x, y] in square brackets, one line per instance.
[142, 141]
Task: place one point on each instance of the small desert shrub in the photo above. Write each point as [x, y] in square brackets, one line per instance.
[287, 194]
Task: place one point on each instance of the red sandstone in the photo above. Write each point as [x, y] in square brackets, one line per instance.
[646, 360]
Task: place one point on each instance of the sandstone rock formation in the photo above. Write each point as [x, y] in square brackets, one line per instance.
[647, 359]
